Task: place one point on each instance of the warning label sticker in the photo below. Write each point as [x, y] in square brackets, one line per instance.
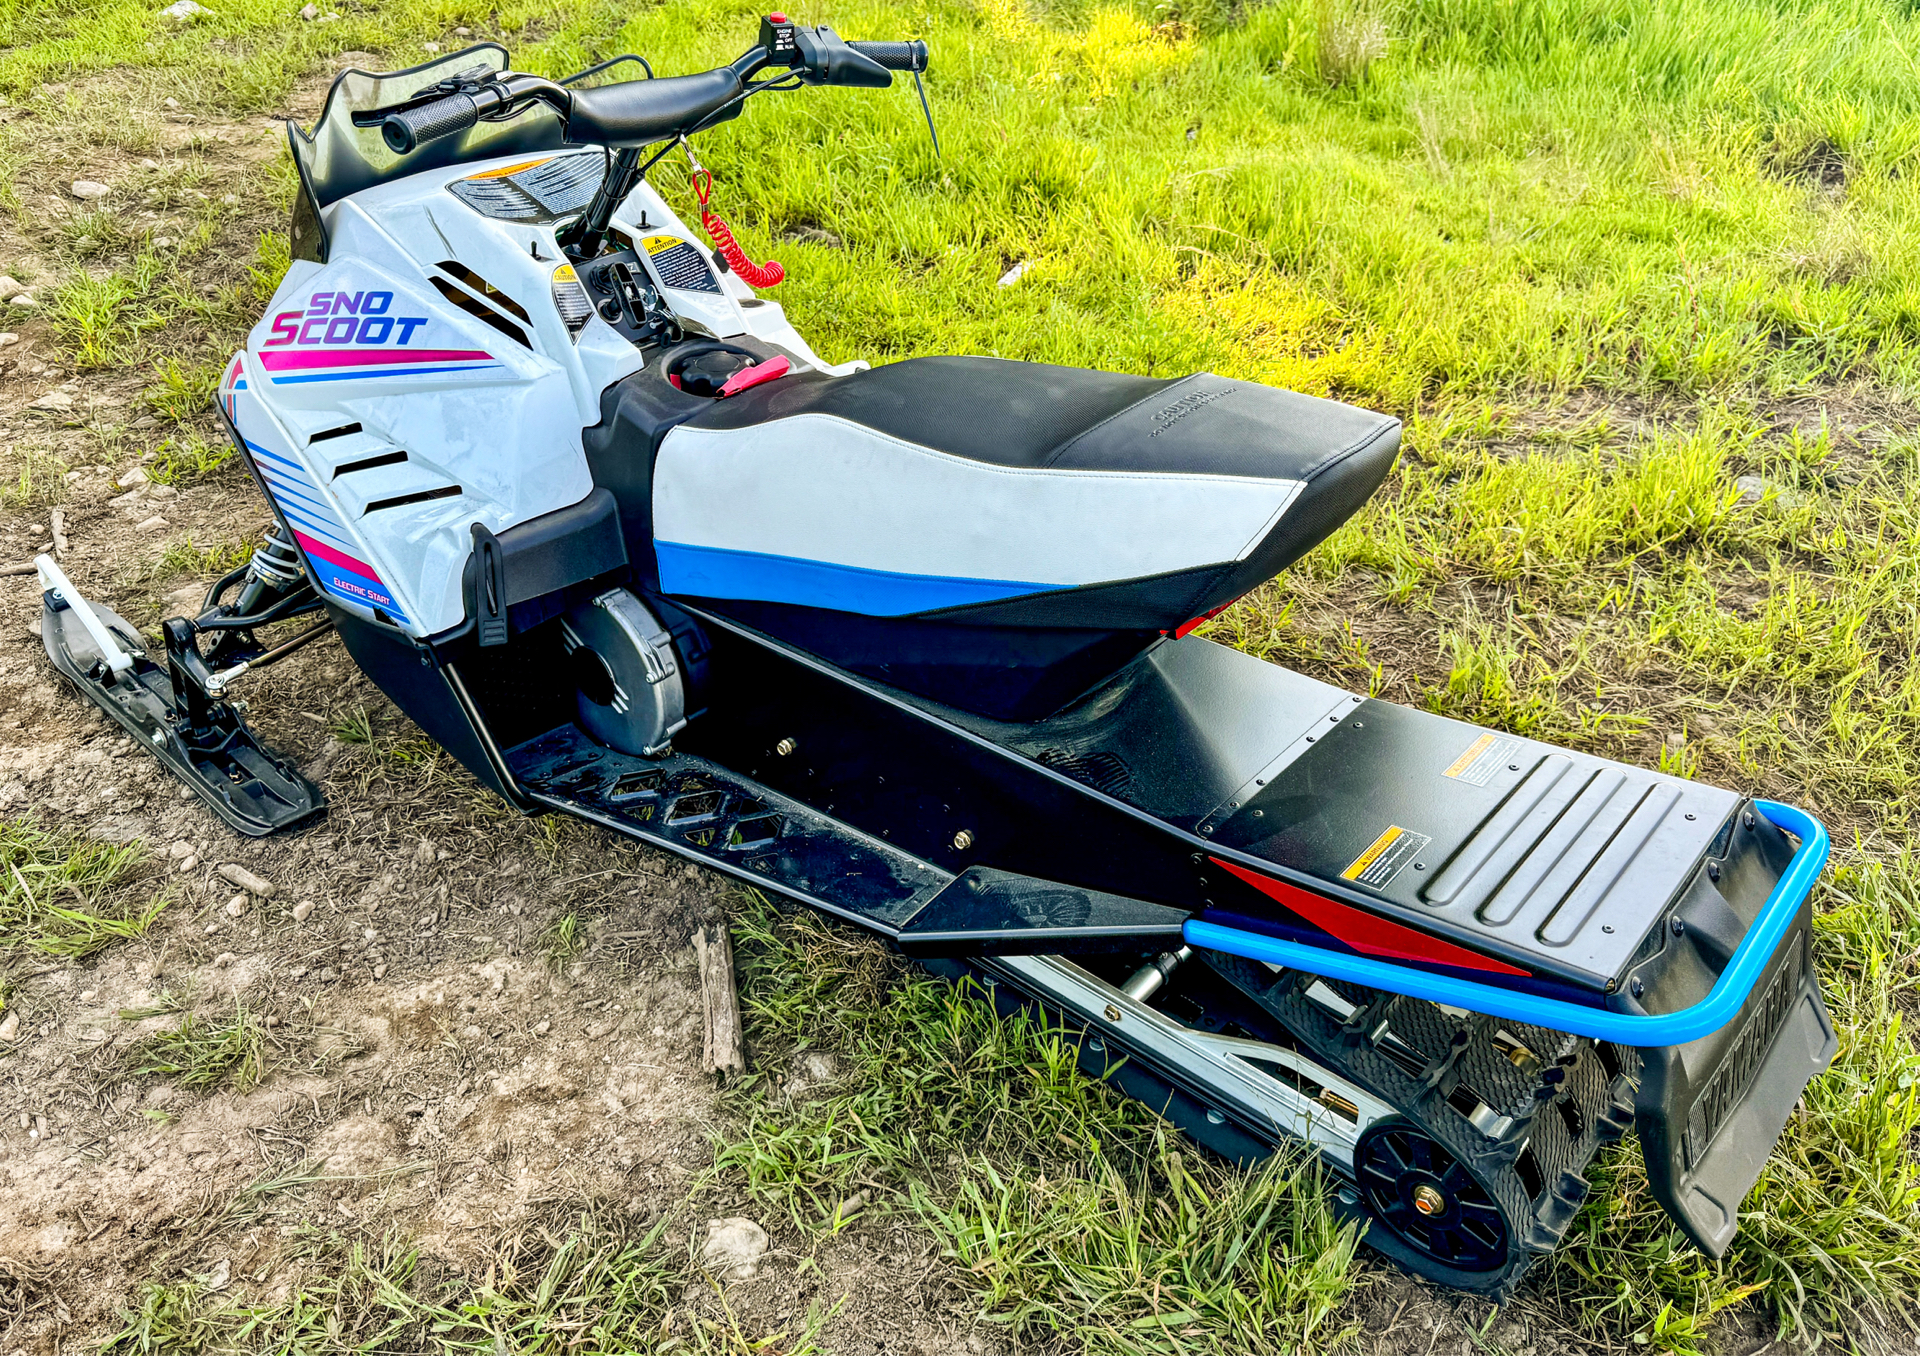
[1386, 857]
[1484, 757]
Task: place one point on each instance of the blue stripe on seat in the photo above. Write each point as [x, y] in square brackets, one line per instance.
[716, 572]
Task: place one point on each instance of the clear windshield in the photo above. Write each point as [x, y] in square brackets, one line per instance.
[337, 158]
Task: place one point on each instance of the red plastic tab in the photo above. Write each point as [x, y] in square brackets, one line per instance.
[1364, 932]
[748, 377]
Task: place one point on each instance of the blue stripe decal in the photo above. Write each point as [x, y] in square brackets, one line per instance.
[715, 572]
[1721, 1005]
[278, 482]
[365, 376]
[252, 446]
[356, 588]
[330, 532]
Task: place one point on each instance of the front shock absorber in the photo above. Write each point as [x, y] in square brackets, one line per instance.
[274, 569]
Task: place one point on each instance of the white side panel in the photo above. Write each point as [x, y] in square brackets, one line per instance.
[815, 487]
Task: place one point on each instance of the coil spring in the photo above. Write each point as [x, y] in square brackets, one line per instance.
[275, 563]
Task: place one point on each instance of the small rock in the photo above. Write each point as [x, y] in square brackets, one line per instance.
[246, 880]
[379, 972]
[298, 972]
[8, 340]
[463, 32]
[10, 287]
[149, 164]
[224, 959]
[213, 927]
[427, 920]
[163, 242]
[52, 400]
[37, 529]
[310, 12]
[162, 492]
[89, 188]
[153, 524]
[429, 46]
[130, 478]
[1012, 275]
[222, 1272]
[1675, 742]
[183, 11]
[734, 1247]
[237, 906]
[230, 200]
[23, 301]
[542, 1028]
[170, 103]
[598, 1029]
[423, 855]
[180, 850]
[1754, 490]
[127, 500]
[10, 1026]
[188, 863]
[272, 1021]
[88, 995]
[303, 911]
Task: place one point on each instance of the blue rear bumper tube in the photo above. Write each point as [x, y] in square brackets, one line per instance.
[1720, 1006]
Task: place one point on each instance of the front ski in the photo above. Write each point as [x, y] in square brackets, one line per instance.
[205, 743]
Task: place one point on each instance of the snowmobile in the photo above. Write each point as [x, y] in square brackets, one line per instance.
[911, 645]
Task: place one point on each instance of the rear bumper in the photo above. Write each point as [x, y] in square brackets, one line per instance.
[1722, 1005]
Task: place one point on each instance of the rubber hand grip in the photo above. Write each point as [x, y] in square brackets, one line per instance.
[895, 56]
[407, 128]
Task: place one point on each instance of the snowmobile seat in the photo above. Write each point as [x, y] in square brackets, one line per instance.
[1007, 494]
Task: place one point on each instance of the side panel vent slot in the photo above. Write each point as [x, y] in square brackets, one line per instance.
[486, 289]
[480, 311]
[418, 497]
[347, 468]
[343, 431]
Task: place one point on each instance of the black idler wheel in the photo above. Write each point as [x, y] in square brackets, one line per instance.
[1430, 1211]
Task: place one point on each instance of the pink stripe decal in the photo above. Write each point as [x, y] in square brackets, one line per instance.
[340, 558]
[285, 360]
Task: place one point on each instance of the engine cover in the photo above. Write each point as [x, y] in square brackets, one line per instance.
[631, 694]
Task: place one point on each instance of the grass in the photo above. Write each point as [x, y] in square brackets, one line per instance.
[1604, 257]
[1073, 1212]
[206, 1052]
[68, 895]
[604, 1287]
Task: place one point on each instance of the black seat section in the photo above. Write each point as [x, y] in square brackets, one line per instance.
[1068, 418]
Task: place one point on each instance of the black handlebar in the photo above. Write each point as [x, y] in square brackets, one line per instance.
[639, 112]
[406, 128]
[895, 56]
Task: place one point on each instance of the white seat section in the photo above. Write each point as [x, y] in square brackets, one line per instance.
[817, 510]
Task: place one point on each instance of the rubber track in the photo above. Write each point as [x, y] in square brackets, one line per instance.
[1562, 1113]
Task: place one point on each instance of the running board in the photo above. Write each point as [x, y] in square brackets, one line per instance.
[251, 788]
[697, 808]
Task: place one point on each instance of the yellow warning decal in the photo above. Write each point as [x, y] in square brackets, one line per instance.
[506, 170]
[660, 244]
[1483, 758]
[1372, 854]
[1386, 857]
[1465, 760]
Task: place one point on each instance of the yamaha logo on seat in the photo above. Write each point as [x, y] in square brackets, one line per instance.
[344, 318]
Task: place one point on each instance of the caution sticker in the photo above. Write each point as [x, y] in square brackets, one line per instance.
[1386, 857]
[1484, 757]
[660, 244]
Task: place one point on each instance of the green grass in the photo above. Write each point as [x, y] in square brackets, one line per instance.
[1072, 1211]
[604, 1288]
[65, 894]
[205, 1052]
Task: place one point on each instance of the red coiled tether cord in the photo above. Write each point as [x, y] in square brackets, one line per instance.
[752, 274]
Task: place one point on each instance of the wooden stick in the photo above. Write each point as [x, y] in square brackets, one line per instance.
[59, 521]
[8, 571]
[721, 1050]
